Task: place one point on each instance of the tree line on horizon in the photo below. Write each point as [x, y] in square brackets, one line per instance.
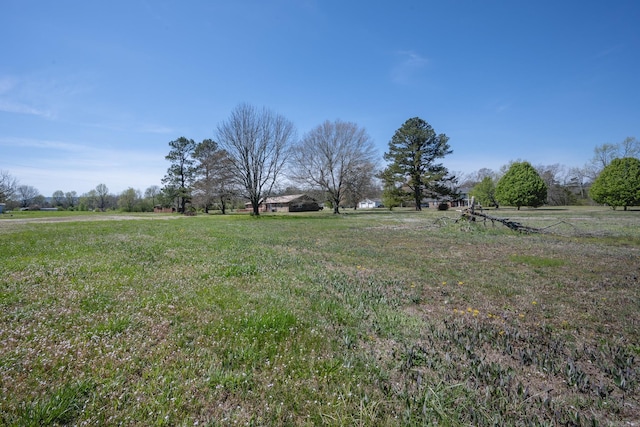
[256, 154]
[611, 178]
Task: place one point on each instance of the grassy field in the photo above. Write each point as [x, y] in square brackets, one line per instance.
[367, 318]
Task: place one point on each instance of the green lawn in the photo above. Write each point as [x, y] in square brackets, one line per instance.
[367, 318]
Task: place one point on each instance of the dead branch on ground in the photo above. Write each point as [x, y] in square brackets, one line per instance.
[471, 214]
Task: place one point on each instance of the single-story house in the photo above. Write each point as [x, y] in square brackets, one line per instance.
[463, 200]
[370, 203]
[162, 209]
[290, 203]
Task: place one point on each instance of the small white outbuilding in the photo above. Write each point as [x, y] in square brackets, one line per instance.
[370, 203]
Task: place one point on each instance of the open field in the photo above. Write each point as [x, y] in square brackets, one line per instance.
[368, 318]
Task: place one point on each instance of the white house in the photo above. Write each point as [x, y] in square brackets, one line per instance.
[369, 204]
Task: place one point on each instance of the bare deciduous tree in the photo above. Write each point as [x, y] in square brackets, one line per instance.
[630, 147]
[71, 198]
[128, 199]
[57, 198]
[152, 193]
[215, 180]
[8, 186]
[605, 153]
[205, 169]
[257, 143]
[102, 196]
[88, 200]
[26, 195]
[330, 156]
[471, 179]
[557, 178]
[360, 184]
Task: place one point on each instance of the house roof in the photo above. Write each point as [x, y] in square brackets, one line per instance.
[286, 199]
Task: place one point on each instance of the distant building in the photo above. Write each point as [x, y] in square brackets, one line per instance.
[162, 209]
[290, 203]
[462, 200]
[2, 205]
[370, 204]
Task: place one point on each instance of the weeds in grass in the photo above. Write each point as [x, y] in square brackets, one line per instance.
[389, 319]
[62, 407]
[537, 261]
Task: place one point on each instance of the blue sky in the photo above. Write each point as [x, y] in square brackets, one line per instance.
[92, 92]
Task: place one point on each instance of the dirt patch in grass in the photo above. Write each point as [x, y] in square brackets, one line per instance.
[8, 221]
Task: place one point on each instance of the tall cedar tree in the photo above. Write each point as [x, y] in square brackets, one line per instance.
[618, 184]
[181, 174]
[412, 154]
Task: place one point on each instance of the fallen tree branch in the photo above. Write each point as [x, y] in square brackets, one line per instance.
[561, 222]
[471, 214]
[513, 225]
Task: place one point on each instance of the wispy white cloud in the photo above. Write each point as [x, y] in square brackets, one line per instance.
[7, 106]
[20, 98]
[61, 153]
[25, 96]
[42, 95]
[409, 65]
[14, 101]
[44, 144]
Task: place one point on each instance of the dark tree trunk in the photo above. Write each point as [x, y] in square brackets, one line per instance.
[418, 198]
[418, 202]
[335, 199]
